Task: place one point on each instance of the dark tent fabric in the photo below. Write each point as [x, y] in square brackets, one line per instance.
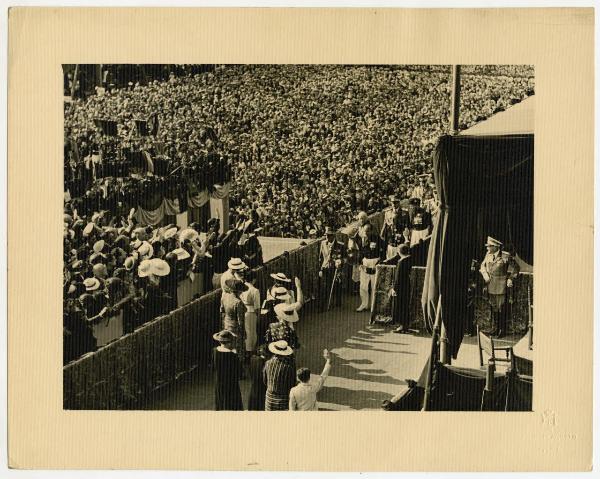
[411, 400]
[485, 187]
[463, 389]
[520, 393]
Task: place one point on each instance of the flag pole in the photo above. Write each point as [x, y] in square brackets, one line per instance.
[432, 358]
[455, 101]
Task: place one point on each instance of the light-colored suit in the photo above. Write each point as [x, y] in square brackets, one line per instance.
[496, 270]
[303, 397]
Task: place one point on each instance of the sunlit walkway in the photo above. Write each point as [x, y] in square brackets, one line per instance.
[371, 363]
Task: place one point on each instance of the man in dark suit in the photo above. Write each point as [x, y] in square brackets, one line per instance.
[401, 290]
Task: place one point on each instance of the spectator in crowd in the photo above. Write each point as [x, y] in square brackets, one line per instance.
[286, 315]
[233, 312]
[331, 257]
[279, 376]
[233, 265]
[324, 139]
[370, 258]
[258, 388]
[354, 258]
[303, 396]
[401, 290]
[304, 147]
[280, 281]
[228, 372]
[251, 300]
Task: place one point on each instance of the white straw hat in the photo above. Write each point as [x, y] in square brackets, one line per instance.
[160, 267]
[281, 348]
[236, 264]
[145, 268]
[280, 277]
[286, 312]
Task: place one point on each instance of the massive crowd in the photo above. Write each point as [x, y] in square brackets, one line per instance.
[308, 147]
[308, 144]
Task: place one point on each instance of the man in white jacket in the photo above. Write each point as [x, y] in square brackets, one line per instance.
[303, 396]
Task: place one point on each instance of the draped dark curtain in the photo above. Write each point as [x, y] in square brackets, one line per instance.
[485, 186]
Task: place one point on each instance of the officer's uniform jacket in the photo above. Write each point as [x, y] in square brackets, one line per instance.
[496, 269]
[330, 252]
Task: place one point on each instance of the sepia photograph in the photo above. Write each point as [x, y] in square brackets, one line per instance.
[298, 237]
[330, 210]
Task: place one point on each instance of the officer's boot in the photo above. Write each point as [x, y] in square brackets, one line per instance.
[494, 320]
[501, 324]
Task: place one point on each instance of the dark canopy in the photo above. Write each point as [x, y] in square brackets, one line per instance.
[485, 186]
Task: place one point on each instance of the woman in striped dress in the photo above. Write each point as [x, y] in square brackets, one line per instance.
[279, 376]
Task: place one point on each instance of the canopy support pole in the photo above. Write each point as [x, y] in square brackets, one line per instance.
[432, 353]
[75, 75]
[455, 101]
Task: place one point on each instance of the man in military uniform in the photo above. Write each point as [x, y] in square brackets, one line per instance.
[332, 256]
[362, 220]
[355, 245]
[400, 292]
[421, 188]
[498, 271]
[421, 224]
[394, 221]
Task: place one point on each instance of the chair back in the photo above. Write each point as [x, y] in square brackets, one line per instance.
[486, 344]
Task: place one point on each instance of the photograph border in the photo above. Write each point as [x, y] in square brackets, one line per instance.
[558, 434]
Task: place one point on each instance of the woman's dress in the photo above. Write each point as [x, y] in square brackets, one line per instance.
[228, 370]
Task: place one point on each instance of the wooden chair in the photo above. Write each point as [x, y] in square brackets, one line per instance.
[486, 344]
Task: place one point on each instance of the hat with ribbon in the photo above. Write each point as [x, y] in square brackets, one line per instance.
[181, 254]
[281, 293]
[170, 232]
[159, 267]
[286, 312]
[188, 234]
[146, 249]
[281, 348]
[91, 284]
[224, 336]
[235, 264]
[145, 268]
[280, 277]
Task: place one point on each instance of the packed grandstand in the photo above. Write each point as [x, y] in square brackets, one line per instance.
[303, 147]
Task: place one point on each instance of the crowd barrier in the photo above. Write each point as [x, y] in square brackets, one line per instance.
[122, 373]
[125, 371]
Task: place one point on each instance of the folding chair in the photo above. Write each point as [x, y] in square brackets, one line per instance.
[486, 344]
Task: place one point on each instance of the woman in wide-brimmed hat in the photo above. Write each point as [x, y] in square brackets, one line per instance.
[233, 313]
[251, 299]
[155, 301]
[228, 372]
[279, 376]
[286, 316]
